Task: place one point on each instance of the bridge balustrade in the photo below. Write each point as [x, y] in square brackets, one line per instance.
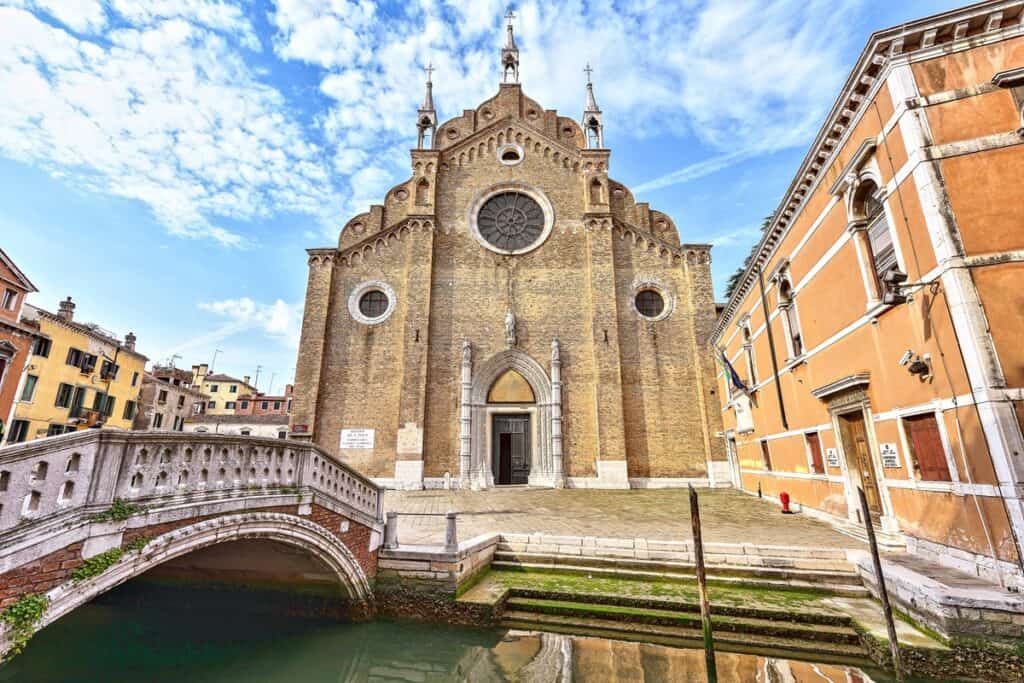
[67, 475]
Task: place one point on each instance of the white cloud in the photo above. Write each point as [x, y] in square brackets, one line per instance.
[704, 68]
[739, 237]
[168, 114]
[698, 169]
[167, 101]
[83, 16]
[278, 320]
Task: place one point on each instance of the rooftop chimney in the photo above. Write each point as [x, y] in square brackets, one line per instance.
[66, 310]
[129, 341]
[245, 379]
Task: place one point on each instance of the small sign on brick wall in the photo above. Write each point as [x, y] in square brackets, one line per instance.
[357, 438]
[890, 458]
[832, 457]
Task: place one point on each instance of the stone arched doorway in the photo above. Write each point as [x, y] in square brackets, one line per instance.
[511, 405]
[511, 421]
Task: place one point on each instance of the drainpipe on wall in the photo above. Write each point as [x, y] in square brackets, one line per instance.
[771, 349]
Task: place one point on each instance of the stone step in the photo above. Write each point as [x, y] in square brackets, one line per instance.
[846, 575]
[676, 636]
[750, 580]
[717, 554]
[666, 617]
[806, 614]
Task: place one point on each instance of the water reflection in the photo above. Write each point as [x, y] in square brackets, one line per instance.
[144, 633]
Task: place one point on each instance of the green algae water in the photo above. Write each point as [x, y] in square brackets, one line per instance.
[156, 632]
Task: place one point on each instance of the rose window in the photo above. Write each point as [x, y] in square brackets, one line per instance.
[511, 221]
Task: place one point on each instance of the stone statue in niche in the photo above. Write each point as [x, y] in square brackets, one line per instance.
[510, 329]
[556, 354]
[467, 353]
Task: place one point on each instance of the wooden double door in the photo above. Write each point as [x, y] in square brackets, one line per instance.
[857, 449]
[510, 449]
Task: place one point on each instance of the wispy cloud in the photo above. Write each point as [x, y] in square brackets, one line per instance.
[696, 170]
[278, 320]
[163, 109]
[174, 103]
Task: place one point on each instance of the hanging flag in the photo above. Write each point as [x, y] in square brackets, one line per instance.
[731, 374]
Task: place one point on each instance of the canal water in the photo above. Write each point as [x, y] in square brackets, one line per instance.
[158, 632]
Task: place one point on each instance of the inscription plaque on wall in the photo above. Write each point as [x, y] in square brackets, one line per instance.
[890, 459]
[832, 457]
[357, 438]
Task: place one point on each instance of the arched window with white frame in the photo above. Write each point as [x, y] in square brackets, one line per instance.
[790, 319]
[878, 241]
[748, 353]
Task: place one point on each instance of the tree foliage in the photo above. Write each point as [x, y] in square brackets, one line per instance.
[737, 276]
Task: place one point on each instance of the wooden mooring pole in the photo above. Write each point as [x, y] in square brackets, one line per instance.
[702, 585]
[883, 594]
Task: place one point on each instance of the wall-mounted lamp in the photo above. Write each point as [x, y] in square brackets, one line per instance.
[917, 365]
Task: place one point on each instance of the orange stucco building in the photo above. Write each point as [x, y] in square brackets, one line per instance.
[918, 171]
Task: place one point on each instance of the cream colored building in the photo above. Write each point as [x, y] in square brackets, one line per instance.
[223, 391]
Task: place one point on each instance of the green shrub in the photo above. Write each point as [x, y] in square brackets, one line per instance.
[21, 619]
[118, 511]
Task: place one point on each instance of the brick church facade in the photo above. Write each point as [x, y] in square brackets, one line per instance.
[511, 315]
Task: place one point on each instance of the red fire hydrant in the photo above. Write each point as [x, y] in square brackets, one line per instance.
[784, 499]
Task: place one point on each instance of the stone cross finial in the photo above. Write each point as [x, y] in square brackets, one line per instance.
[510, 54]
[588, 71]
[429, 68]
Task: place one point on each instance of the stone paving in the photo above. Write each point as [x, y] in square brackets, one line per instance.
[727, 516]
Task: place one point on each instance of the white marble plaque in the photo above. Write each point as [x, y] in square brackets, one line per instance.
[744, 418]
[832, 457]
[890, 458]
[357, 438]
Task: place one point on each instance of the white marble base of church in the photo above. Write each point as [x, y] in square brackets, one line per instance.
[408, 475]
[719, 474]
[611, 474]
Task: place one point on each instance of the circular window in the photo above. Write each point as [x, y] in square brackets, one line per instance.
[649, 303]
[510, 155]
[511, 218]
[371, 302]
[511, 221]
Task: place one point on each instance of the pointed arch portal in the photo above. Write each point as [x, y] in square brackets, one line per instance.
[512, 410]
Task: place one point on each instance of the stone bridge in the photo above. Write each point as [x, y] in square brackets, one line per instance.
[84, 512]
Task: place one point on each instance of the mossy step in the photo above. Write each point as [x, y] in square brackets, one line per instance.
[845, 590]
[661, 617]
[675, 636]
[845, 574]
[802, 615]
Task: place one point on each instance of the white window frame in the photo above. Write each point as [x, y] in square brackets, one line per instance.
[810, 459]
[748, 352]
[10, 301]
[782, 309]
[912, 480]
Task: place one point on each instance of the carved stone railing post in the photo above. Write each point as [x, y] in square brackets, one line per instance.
[556, 413]
[391, 531]
[465, 415]
[451, 536]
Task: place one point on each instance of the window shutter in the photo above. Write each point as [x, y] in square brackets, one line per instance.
[926, 447]
[814, 444]
[883, 252]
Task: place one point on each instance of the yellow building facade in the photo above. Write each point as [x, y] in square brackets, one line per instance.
[223, 391]
[78, 377]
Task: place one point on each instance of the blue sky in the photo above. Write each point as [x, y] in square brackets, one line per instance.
[166, 162]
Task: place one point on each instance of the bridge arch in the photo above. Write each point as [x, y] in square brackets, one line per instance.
[268, 526]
